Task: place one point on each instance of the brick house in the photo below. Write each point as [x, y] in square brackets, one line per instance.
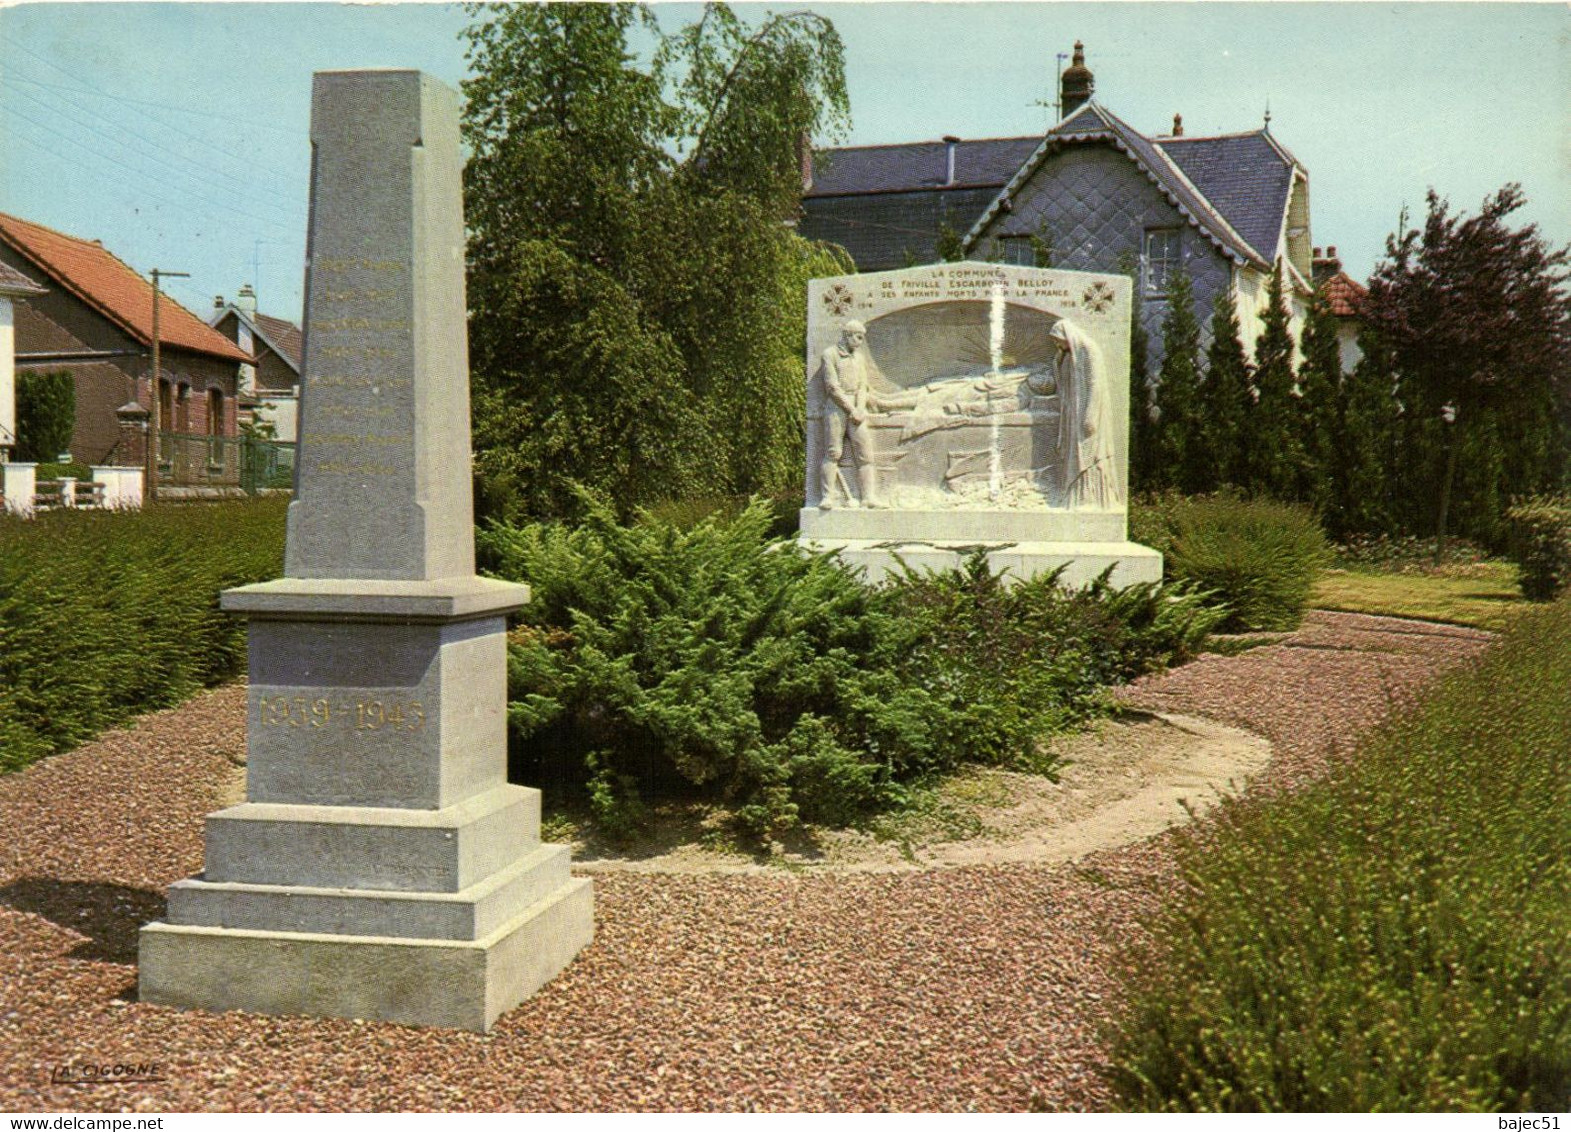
[272, 384]
[1092, 194]
[1343, 294]
[95, 319]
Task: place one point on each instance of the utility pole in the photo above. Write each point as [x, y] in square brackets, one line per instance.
[153, 423]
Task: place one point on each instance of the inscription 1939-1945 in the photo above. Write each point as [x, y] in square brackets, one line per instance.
[360, 715]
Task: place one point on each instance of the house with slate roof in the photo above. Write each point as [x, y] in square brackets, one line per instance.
[1092, 194]
[96, 320]
[270, 387]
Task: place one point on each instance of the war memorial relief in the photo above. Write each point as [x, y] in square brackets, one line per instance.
[972, 405]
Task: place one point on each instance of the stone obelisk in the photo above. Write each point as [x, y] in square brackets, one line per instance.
[381, 865]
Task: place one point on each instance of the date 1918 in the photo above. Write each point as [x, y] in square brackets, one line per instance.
[362, 715]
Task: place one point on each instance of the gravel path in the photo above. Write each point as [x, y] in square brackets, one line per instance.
[956, 989]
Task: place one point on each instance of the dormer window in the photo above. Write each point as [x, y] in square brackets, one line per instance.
[1017, 251]
[1162, 258]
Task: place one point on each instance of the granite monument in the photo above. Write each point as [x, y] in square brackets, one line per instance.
[381, 866]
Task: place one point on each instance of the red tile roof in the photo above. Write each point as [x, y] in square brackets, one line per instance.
[112, 288]
[284, 335]
[1343, 294]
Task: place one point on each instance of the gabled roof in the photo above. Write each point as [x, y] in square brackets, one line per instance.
[1246, 177]
[1343, 294]
[112, 288]
[915, 166]
[283, 336]
[13, 282]
[1094, 123]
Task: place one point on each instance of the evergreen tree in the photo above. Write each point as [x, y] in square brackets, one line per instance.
[1275, 449]
[45, 414]
[1141, 427]
[1321, 412]
[1478, 319]
[1366, 449]
[637, 310]
[1227, 398]
[1182, 459]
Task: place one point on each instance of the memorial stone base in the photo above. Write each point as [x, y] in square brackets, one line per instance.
[1018, 544]
[381, 866]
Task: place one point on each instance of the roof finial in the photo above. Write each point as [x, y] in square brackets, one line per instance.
[1076, 84]
[1178, 125]
[1267, 126]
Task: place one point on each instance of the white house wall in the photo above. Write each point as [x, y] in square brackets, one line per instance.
[7, 373]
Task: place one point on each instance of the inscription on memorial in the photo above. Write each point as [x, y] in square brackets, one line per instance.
[354, 346]
[360, 715]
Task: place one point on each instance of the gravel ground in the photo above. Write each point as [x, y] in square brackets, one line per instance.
[957, 989]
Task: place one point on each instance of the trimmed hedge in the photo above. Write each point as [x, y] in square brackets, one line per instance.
[107, 614]
[1395, 939]
[1541, 545]
[710, 663]
[1258, 557]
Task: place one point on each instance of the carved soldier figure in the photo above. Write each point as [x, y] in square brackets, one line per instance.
[849, 398]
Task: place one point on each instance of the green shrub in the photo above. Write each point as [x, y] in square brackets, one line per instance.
[45, 414]
[1398, 938]
[1541, 545]
[105, 615]
[56, 471]
[707, 662]
[1258, 557]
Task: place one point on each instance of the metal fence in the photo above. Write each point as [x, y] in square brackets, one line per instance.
[248, 462]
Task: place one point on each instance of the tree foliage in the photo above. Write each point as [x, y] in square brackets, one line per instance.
[636, 300]
[1477, 317]
[1227, 394]
[1274, 427]
[45, 414]
[1320, 415]
[1182, 459]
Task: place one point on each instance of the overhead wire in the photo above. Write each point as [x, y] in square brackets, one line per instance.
[283, 211]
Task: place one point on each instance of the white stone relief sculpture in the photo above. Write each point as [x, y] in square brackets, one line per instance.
[1085, 437]
[847, 377]
[1029, 426]
[969, 405]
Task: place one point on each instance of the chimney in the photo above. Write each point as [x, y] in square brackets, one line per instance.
[1324, 265]
[218, 302]
[1178, 125]
[1077, 84]
[246, 299]
[804, 159]
[950, 141]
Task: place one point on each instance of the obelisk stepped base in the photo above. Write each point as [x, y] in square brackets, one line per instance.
[463, 984]
[381, 866]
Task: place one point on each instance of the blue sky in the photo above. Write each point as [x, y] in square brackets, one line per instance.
[177, 134]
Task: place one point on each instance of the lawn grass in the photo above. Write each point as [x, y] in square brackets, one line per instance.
[1481, 594]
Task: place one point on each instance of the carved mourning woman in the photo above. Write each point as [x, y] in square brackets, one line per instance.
[1088, 475]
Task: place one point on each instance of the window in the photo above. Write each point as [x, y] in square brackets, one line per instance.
[1017, 251]
[1162, 258]
[215, 412]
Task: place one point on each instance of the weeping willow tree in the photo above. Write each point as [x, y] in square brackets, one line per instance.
[637, 299]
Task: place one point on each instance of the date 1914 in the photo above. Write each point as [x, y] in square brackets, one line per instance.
[361, 715]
